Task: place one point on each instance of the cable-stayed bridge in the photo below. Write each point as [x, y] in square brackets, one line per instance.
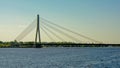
[55, 33]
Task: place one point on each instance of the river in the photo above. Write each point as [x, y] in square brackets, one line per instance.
[60, 57]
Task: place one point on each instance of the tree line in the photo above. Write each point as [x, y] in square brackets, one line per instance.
[15, 44]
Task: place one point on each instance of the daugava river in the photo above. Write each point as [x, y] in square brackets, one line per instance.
[58, 57]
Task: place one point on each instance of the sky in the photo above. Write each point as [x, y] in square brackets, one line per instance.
[98, 19]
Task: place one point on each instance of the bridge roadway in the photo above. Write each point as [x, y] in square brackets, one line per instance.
[79, 44]
[73, 45]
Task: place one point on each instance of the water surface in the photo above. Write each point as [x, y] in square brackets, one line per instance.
[74, 57]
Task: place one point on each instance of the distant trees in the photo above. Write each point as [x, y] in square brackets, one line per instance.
[4, 44]
[9, 44]
[15, 44]
[1, 42]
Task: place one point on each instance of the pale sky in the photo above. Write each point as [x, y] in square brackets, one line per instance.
[98, 19]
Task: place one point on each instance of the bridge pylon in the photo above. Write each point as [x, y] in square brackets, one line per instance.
[38, 37]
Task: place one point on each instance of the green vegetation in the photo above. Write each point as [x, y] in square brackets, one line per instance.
[4, 44]
[15, 44]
